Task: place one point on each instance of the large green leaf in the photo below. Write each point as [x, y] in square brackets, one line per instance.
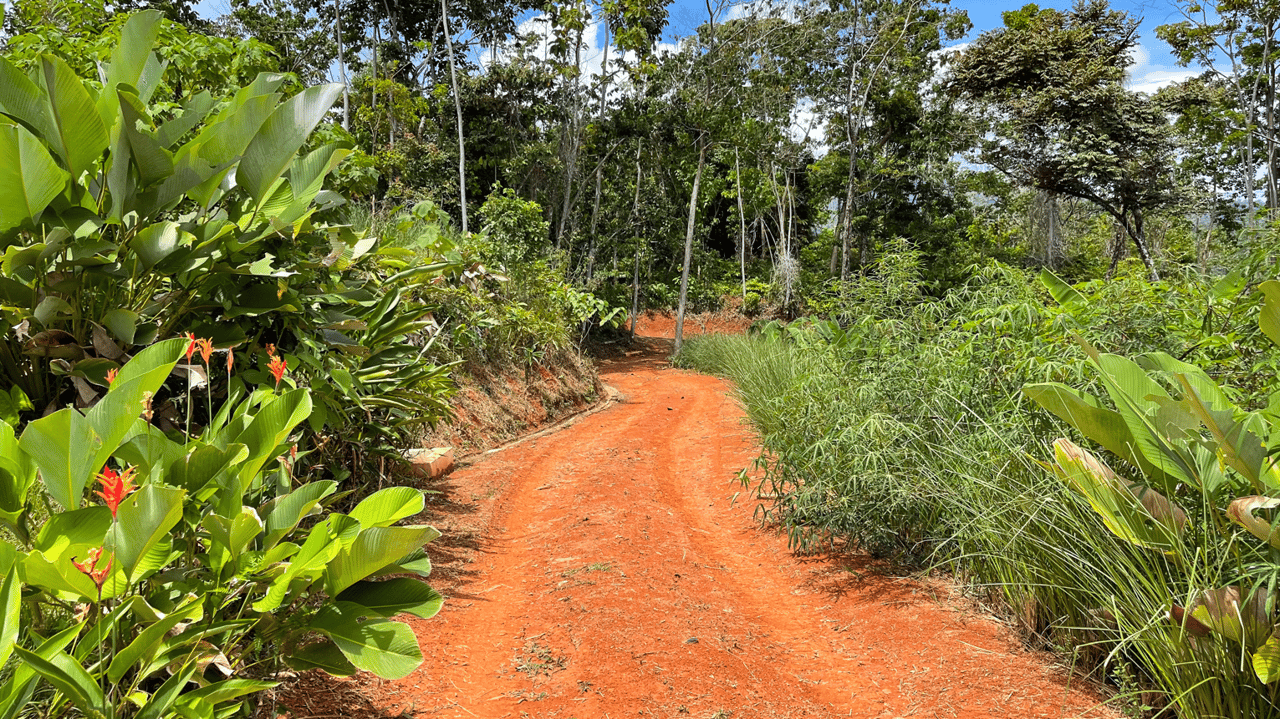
[29, 177]
[231, 537]
[395, 596]
[10, 612]
[154, 163]
[194, 111]
[386, 648]
[1139, 515]
[79, 135]
[67, 532]
[1063, 293]
[388, 506]
[128, 60]
[1266, 661]
[144, 519]
[281, 136]
[68, 677]
[372, 550]
[283, 513]
[324, 655]
[140, 651]
[17, 692]
[161, 702]
[156, 242]
[323, 543]
[64, 447]
[24, 101]
[269, 428]
[1269, 316]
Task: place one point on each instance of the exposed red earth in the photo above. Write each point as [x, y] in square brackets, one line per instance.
[612, 568]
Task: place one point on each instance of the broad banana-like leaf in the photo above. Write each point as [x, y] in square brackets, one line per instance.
[373, 550]
[323, 544]
[324, 655]
[1063, 293]
[1269, 317]
[281, 136]
[24, 100]
[386, 648]
[68, 677]
[282, 514]
[402, 595]
[10, 612]
[17, 692]
[1137, 514]
[1238, 447]
[128, 61]
[79, 136]
[142, 649]
[64, 447]
[269, 428]
[1241, 511]
[154, 163]
[157, 242]
[1266, 661]
[1087, 415]
[144, 519]
[160, 704]
[29, 177]
[388, 506]
[1239, 615]
[194, 111]
[1151, 415]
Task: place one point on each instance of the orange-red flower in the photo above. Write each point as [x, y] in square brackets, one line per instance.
[205, 347]
[277, 368]
[115, 487]
[111, 375]
[191, 346]
[231, 360]
[90, 568]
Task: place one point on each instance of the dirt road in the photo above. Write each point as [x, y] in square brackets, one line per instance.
[605, 570]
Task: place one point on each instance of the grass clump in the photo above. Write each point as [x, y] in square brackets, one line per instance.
[901, 429]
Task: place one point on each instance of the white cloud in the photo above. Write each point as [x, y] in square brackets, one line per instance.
[1146, 76]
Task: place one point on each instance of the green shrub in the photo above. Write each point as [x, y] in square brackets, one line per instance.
[193, 587]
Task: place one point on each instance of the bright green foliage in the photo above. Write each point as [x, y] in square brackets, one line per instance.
[210, 566]
[902, 429]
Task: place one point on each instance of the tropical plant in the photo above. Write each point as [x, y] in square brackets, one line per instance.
[1191, 445]
[122, 226]
[205, 565]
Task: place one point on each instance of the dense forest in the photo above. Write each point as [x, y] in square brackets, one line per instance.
[242, 255]
[779, 149]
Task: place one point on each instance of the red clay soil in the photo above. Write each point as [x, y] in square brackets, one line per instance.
[613, 568]
[663, 324]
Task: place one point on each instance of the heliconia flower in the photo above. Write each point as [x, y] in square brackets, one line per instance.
[115, 487]
[231, 360]
[205, 347]
[111, 376]
[90, 568]
[277, 368]
[191, 346]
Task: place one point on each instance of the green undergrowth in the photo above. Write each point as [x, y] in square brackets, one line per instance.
[902, 430]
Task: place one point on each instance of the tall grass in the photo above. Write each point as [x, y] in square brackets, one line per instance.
[906, 436]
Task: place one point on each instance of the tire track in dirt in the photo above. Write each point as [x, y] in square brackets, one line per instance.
[604, 571]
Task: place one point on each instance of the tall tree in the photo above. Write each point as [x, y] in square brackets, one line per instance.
[1064, 122]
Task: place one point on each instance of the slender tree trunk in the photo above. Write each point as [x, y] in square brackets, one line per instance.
[342, 67]
[635, 273]
[742, 220]
[457, 104]
[688, 244]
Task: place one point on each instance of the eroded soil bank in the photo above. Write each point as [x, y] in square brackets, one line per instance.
[613, 568]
